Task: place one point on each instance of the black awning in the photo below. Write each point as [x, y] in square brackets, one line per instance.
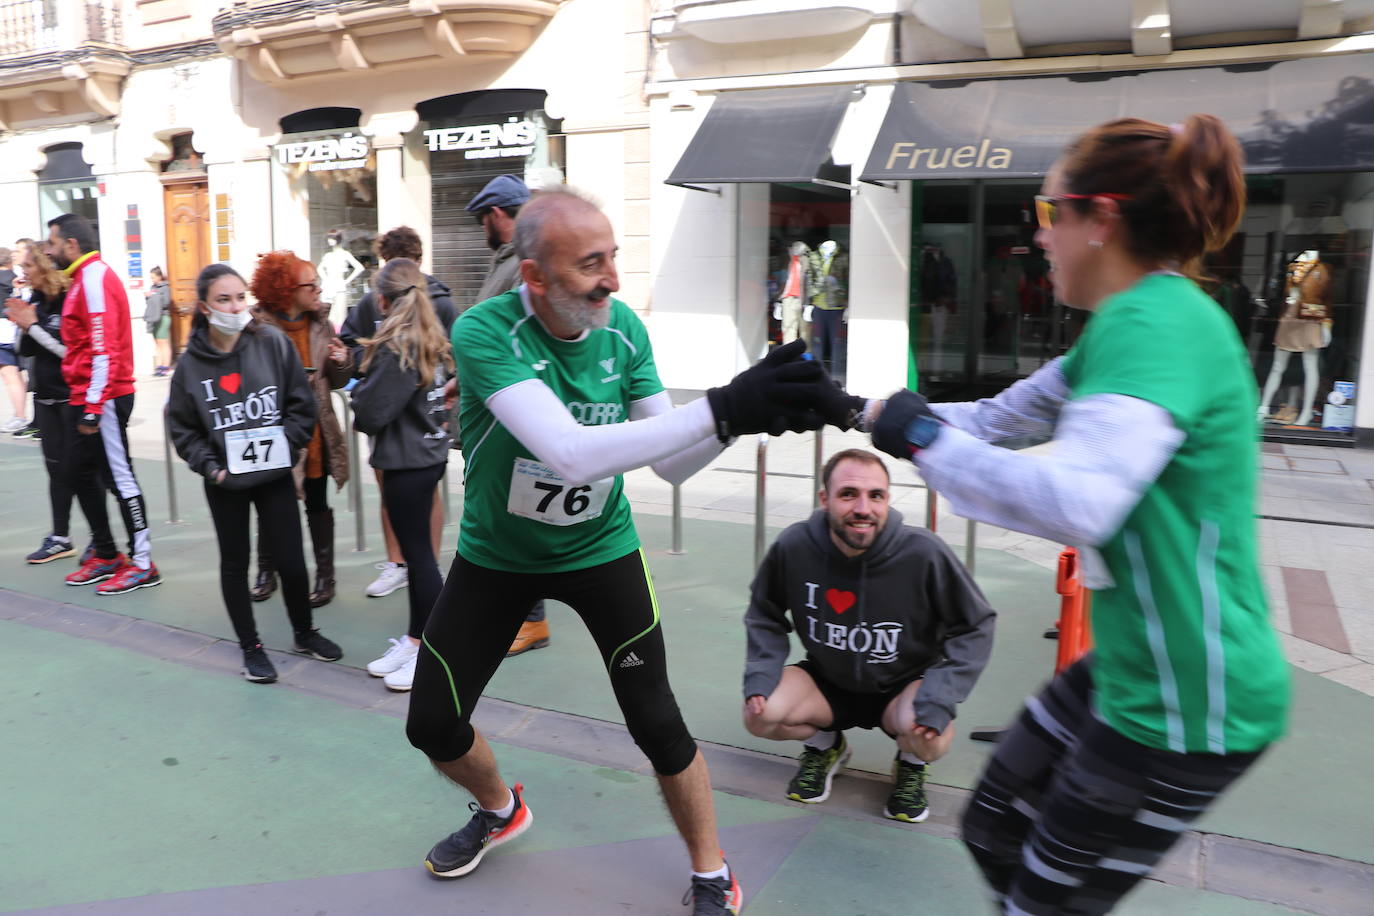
[1310, 115]
[781, 135]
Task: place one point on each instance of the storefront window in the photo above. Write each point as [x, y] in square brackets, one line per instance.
[471, 139]
[1294, 280]
[808, 270]
[336, 173]
[983, 314]
[66, 185]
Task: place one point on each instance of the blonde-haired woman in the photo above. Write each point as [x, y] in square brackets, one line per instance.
[36, 310]
[400, 403]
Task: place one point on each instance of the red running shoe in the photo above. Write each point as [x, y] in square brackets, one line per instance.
[96, 569]
[130, 578]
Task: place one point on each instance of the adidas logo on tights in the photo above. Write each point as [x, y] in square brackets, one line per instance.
[631, 661]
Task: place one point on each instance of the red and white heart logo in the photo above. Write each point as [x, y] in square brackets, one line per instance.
[840, 601]
[231, 382]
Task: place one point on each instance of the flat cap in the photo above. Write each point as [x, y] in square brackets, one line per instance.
[502, 191]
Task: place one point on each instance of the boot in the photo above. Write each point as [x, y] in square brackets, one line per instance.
[322, 537]
[266, 583]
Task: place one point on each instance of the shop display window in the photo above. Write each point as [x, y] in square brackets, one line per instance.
[808, 270]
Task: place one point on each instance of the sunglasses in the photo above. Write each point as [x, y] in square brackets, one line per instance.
[1047, 208]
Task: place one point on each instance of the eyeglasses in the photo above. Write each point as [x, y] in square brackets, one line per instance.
[1047, 208]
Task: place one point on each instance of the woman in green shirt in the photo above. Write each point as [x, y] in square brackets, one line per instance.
[1153, 476]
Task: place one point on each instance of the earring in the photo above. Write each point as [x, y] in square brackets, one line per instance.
[1094, 243]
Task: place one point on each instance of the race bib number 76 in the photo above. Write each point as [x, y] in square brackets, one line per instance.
[536, 492]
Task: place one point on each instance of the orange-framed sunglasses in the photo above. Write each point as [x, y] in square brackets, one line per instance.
[1047, 208]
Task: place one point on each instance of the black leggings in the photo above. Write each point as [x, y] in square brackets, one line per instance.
[275, 501]
[409, 499]
[56, 438]
[1070, 814]
[480, 611]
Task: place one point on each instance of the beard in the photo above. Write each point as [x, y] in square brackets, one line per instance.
[58, 260]
[494, 240]
[856, 540]
[587, 312]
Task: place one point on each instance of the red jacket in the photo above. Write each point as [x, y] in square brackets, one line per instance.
[99, 364]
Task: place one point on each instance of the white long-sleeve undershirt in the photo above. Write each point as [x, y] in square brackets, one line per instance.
[677, 442]
[1108, 450]
[47, 341]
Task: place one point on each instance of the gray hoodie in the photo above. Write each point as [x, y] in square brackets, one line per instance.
[903, 609]
[405, 418]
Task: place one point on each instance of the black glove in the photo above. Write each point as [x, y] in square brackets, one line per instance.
[775, 395]
[840, 408]
[889, 433]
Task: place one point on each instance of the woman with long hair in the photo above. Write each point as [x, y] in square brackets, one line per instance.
[287, 290]
[37, 311]
[1153, 476]
[239, 411]
[400, 403]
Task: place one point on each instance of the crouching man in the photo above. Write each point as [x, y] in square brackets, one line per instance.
[896, 634]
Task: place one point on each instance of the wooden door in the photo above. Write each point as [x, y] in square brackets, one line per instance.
[187, 206]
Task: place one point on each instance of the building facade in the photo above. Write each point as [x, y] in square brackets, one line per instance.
[196, 131]
[863, 174]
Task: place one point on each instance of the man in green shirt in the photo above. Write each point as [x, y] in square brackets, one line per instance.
[560, 396]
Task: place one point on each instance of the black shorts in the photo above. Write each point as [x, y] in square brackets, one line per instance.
[849, 708]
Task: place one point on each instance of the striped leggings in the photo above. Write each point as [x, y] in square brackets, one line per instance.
[1070, 815]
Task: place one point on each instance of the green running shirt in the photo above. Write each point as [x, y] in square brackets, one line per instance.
[518, 515]
[1186, 658]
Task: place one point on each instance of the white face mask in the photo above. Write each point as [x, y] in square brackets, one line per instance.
[230, 322]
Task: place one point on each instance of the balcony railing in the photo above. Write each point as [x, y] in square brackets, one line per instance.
[38, 26]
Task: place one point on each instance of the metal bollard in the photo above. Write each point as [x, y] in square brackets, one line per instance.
[676, 549]
[970, 545]
[932, 507]
[448, 498]
[819, 467]
[172, 516]
[355, 483]
[760, 505]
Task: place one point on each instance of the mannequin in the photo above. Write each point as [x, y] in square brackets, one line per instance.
[1304, 327]
[828, 300]
[337, 269]
[795, 288]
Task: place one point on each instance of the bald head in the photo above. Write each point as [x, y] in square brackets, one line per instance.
[548, 217]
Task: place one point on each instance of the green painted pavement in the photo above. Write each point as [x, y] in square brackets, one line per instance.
[1307, 793]
[853, 868]
[125, 775]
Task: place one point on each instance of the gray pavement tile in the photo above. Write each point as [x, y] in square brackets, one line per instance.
[332, 680]
[1357, 677]
[1320, 884]
[79, 621]
[158, 640]
[497, 718]
[1324, 465]
[1327, 510]
[588, 740]
[19, 606]
[1182, 866]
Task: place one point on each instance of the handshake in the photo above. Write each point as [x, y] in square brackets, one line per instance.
[784, 392]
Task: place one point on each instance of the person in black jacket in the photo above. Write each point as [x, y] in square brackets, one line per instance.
[400, 403]
[38, 315]
[240, 411]
[363, 321]
[895, 630]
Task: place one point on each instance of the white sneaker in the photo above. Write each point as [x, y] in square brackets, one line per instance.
[402, 650]
[393, 576]
[14, 425]
[402, 677]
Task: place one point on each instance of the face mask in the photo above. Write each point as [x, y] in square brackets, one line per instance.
[230, 322]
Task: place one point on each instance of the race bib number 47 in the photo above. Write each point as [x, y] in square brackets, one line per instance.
[536, 492]
[262, 449]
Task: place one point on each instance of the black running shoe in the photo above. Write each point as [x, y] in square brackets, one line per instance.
[51, 549]
[28, 432]
[460, 853]
[714, 896]
[311, 643]
[257, 667]
[908, 799]
[816, 770]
